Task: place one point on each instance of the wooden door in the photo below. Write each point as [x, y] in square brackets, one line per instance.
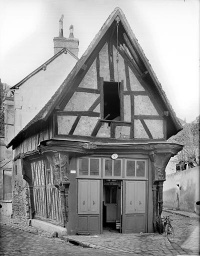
[89, 206]
[134, 207]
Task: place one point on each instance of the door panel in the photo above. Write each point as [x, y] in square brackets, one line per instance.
[140, 197]
[93, 223]
[89, 206]
[134, 210]
[111, 212]
[83, 196]
[129, 200]
[94, 196]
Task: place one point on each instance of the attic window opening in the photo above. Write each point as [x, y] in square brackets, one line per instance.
[111, 97]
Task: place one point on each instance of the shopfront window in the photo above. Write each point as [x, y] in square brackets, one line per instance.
[135, 169]
[112, 168]
[89, 167]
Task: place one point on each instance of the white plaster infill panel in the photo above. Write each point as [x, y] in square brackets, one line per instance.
[65, 124]
[134, 83]
[104, 131]
[144, 106]
[156, 128]
[90, 79]
[122, 132]
[81, 101]
[127, 108]
[104, 63]
[119, 71]
[139, 131]
[86, 125]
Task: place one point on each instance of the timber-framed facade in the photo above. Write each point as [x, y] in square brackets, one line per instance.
[94, 157]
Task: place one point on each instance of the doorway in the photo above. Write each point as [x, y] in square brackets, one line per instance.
[112, 205]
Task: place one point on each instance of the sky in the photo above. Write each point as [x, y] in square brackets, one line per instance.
[167, 31]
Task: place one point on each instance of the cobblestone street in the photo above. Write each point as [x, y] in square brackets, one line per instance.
[17, 239]
[14, 241]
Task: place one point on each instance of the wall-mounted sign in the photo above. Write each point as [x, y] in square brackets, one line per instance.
[72, 171]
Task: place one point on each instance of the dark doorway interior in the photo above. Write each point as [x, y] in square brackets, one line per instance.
[111, 100]
[112, 206]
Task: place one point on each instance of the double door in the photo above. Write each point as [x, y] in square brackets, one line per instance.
[129, 207]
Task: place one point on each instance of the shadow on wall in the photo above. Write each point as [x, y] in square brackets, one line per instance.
[181, 190]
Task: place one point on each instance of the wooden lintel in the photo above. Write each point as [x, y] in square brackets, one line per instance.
[78, 113]
[87, 90]
[151, 117]
[136, 93]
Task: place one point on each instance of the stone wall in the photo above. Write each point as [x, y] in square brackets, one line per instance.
[181, 190]
[20, 203]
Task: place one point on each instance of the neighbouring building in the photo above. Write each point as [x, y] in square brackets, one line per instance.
[181, 190]
[6, 134]
[94, 154]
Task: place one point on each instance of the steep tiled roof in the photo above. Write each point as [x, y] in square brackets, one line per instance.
[65, 86]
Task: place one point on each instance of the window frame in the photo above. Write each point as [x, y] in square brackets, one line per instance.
[145, 177]
[112, 177]
[89, 164]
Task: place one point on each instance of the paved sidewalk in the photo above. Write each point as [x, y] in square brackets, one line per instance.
[183, 213]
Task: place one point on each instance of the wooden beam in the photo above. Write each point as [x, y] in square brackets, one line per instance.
[78, 113]
[95, 104]
[132, 116]
[125, 53]
[136, 93]
[128, 86]
[87, 90]
[121, 101]
[74, 125]
[146, 129]
[150, 117]
[96, 128]
[134, 54]
[98, 71]
[110, 60]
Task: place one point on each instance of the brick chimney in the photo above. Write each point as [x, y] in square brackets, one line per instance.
[60, 42]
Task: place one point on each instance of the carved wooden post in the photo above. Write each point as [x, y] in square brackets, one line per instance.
[64, 201]
[160, 197]
[154, 206]
[159, 163]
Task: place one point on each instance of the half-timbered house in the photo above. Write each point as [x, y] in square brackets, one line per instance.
[95, 155]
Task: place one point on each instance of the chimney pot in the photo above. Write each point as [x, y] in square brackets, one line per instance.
[60, 42]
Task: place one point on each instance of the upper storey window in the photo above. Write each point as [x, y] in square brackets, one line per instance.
[111, 100]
